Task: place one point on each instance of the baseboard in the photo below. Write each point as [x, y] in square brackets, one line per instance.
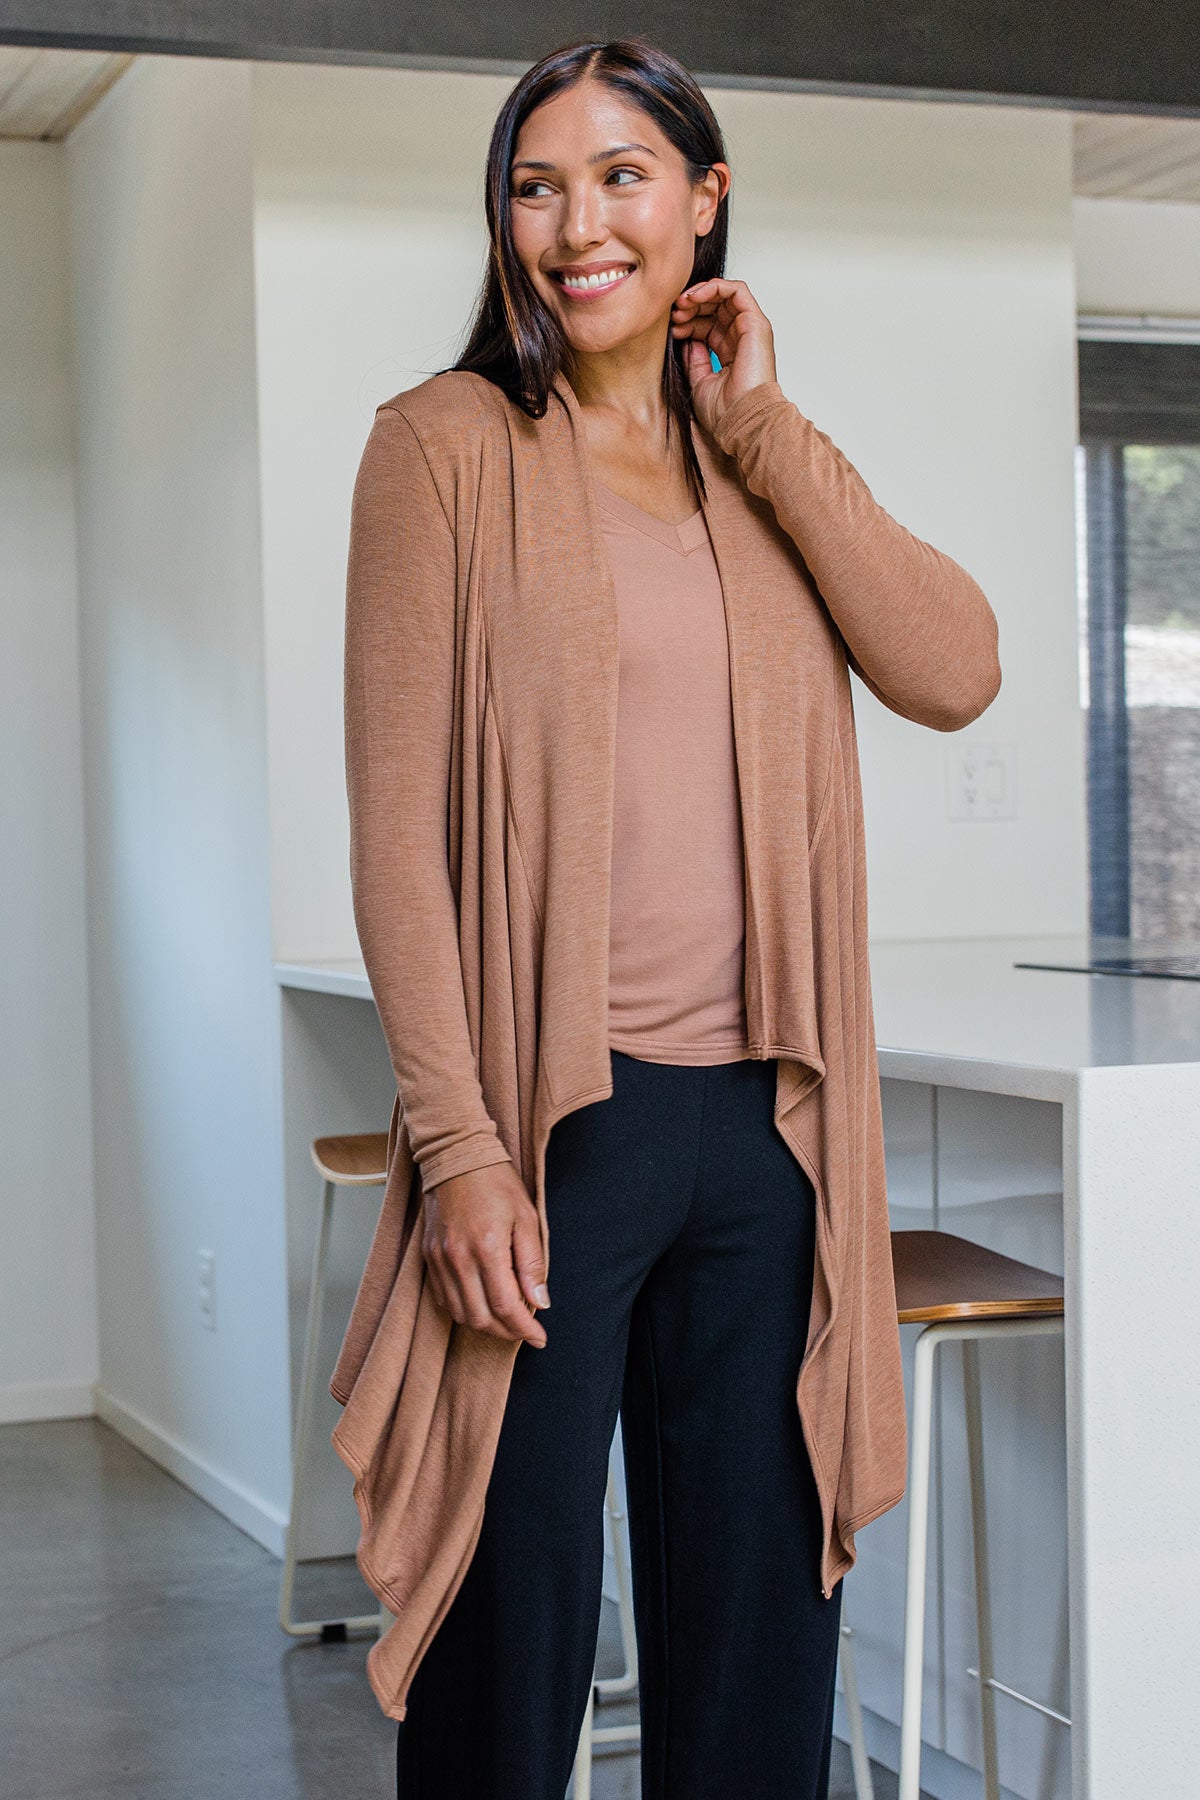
[942, 1776]
[32, 1402]
[248, 1511]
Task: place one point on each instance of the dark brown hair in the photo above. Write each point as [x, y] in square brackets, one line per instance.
[515, 340]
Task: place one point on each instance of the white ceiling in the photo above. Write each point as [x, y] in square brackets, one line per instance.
[43, 93]
[1129, 156]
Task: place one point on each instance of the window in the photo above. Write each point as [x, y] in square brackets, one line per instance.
[1138, 524]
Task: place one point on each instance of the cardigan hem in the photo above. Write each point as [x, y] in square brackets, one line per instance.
[760, 1053]
[360, 1471]
[847, 1561]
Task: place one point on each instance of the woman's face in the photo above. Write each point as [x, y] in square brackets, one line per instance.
[597, 189]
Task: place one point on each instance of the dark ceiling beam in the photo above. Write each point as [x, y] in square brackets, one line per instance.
[1126, 55]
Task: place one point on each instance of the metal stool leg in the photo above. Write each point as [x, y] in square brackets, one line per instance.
[582, 1786]
[624, 1683]
[918, 1544]
[864, 1786]
[914, 1612]
[983, 1598]
[612, 1686]
[312, 1337]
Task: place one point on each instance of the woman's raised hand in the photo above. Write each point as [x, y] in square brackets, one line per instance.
[483, 1249]
[723, 316]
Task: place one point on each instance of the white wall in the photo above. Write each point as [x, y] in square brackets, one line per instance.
[185, 1014]
[916, 262]
[368, 249]
[48, 1351]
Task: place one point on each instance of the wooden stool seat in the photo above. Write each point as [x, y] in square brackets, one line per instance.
[358, 1159]
[940, 1276]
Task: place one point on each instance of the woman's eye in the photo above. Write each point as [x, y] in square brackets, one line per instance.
[525, 191]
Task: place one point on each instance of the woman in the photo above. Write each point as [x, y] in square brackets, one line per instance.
[606, 584]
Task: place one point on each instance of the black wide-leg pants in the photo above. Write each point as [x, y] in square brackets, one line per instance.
[682, 1239]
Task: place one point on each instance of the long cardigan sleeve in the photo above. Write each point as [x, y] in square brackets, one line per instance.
[400, 649]
[917, 627]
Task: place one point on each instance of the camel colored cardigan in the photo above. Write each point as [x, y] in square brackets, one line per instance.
[481, 702]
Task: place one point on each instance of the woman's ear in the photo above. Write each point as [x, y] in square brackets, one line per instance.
[706, 213]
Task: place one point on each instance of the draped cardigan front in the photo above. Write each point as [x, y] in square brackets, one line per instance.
[481, 667]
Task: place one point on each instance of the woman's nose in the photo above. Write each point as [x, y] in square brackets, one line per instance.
[582, 223]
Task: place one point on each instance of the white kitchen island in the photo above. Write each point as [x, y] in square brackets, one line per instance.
[998, 1055]
[1056, 1116]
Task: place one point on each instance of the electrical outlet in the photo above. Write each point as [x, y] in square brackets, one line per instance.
[208, 1289]
[981, 780]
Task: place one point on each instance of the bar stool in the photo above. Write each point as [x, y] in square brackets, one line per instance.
[960, 1290]
[358, 1160]
[957, 1290]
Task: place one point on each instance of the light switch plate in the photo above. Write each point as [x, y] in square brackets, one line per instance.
[981, 780]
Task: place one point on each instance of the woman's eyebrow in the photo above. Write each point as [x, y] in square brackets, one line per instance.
[600, 156]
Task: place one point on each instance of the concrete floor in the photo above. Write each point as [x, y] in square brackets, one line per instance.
[142, 1656]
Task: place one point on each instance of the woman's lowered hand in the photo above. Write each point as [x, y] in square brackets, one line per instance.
[723, 316]
[483, 1248]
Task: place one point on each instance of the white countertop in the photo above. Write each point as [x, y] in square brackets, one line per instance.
[327, 975]
[957, 1011]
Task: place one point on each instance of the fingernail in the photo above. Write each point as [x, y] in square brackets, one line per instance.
[541, 1294]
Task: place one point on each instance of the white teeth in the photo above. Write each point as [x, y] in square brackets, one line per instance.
[605, 279]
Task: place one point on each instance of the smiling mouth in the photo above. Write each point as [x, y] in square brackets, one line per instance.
[589, 287]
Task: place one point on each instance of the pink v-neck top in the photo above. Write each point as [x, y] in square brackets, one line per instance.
[677, 931]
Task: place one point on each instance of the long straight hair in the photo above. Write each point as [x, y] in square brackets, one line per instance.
[515, 340]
